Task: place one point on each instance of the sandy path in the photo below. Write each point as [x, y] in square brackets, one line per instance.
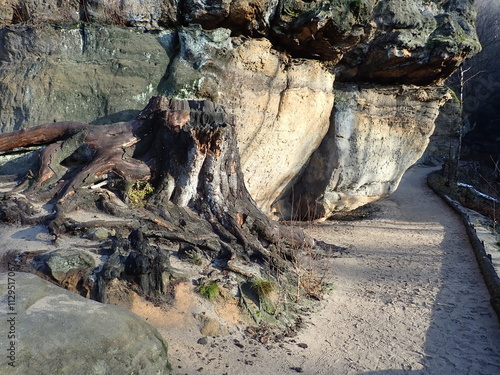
[409, 299]
[412, 300]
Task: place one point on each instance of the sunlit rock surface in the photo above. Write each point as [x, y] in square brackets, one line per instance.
[271, 63]
[55, 331]
[377, 133]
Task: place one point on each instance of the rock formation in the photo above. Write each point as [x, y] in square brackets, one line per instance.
[330, 102]
[270, 63]
[443, 144]
[375, 130]
[58, 332]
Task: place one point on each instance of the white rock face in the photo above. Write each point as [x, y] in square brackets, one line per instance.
[282, 105]
[283, 109]
[377, 133]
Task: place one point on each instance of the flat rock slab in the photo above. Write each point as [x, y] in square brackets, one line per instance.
[48, 330]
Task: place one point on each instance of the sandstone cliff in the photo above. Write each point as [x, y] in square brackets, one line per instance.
[375, 131]
[307, 148]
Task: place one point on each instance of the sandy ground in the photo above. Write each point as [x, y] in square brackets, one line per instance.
[408, 299]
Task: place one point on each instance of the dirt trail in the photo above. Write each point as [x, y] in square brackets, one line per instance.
[409, 299]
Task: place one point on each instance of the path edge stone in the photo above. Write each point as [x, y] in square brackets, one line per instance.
[490, 276]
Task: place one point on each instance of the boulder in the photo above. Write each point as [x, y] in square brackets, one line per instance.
[62, 261]
[70, 268]
[53, 331]
[377, 133]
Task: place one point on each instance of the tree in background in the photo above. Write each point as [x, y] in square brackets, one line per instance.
[480, 84]
[477, 84]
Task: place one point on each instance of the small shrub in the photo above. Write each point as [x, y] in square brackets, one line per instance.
[263, 288]
[209, 290]
[313, 286]
[190, 254]
[193, 257]
[139, 192]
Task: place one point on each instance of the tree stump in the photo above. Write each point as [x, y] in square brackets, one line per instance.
[185, 150]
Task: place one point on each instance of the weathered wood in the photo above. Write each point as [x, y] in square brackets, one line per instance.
[39, 135]
[187, 151]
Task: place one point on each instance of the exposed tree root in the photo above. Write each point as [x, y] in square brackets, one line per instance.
[186, 150]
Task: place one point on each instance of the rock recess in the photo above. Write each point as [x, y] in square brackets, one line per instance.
[443, 143]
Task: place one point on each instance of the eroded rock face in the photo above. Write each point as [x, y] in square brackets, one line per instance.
[322, 30]
[271, 63]
[85, 73]
[59, 332]
[377, 133]
[415, 42]
[282, 105]
[408, 41]
[102, 74]
[18, 11]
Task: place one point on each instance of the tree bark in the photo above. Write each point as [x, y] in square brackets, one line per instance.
[186, 149]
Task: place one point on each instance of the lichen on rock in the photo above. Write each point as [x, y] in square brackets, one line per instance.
[415, 42]
[88, 73]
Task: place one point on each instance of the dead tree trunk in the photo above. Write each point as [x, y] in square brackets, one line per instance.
[185, 149]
